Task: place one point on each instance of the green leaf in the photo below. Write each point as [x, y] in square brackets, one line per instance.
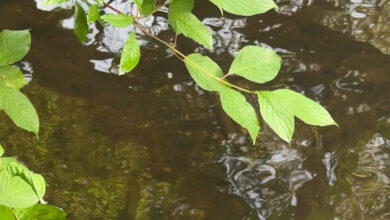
[277, 114]
[6, 213]
[146, 6]
[41, 212]
[14, 45]
[184, 22]
[1, 150]
[11, 76]
[130, 55]
[93, 14]
[80, 23]
[4, 161]
[15, 192]
[36, 181]
[236, 106]
[119, 20]
[17, 106]
[201, 69]
[256, 64]
[54, 2]
[245, 7]
[305, 109]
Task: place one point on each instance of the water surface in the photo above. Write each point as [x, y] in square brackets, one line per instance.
[153, 145]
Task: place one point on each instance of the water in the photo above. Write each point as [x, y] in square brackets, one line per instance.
[152, 145]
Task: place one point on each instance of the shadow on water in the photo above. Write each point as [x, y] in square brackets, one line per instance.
[152, 145]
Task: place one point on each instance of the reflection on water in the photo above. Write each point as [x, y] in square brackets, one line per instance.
[153, 145]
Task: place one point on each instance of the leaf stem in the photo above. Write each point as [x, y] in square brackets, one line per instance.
[13, 213]
[183, 57]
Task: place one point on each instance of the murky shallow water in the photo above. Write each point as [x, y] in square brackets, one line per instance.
[151, 145]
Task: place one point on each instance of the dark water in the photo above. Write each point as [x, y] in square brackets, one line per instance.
[152, 145]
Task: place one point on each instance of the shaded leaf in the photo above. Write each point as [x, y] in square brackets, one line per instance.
[80, 23]
[305, 109]
[130, 55]
[14, 45]
[119, 20]
[197, 65]
[17, 106]
[256, 64]
[184, 22]
[6, 213]
[41, 212]
[277, 114]
[236, 106]
[146, 6]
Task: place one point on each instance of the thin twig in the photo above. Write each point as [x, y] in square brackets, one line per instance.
[181, 56]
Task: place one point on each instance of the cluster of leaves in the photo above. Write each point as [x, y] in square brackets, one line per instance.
[20, 192]
[260, 65]
[20, 189]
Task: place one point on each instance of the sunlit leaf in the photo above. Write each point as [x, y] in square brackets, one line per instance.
[93, 14]
[256, 64]
[130, 55]
[54, 2]
[80, 23]
[245, 7]
[201, 69]
[184, 22]
[14, 45]
[40, 212]
[119, 20]
[11, 76]
[146, 6]
[277, 114]
[36, 181]
[15, 192]
[1, 150]
[305, 109]
[236, 106]
[17, 106]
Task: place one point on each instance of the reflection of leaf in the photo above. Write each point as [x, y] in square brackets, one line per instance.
[197, 65]
[40, 212]
[14, 45]
[19, 109]
[236, 106]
